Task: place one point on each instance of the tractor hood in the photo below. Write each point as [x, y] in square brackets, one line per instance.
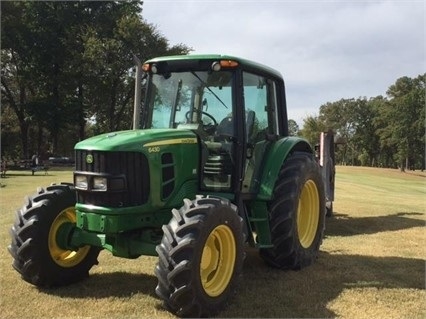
[136, 140]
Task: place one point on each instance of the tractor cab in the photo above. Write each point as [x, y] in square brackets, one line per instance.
[232, 106]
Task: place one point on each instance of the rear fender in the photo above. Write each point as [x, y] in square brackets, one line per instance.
[276, 156]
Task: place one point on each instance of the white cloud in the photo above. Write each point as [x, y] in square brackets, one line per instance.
[326, 50]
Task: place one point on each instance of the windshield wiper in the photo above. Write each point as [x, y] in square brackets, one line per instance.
[207, 87]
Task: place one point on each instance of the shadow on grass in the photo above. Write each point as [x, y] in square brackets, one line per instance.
[105, 285]
[265, 292]
[343, 225]
[271, 293]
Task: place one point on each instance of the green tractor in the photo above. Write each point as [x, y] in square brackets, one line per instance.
[208, 170]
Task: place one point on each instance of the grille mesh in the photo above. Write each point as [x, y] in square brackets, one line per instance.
[132, 165]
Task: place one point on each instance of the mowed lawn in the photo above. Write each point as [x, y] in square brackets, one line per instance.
[371, 264]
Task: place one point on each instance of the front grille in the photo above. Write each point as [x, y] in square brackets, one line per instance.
[132, 165]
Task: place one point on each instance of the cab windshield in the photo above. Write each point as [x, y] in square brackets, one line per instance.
[201, 99]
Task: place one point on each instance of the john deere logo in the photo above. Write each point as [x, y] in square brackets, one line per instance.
[89, 159]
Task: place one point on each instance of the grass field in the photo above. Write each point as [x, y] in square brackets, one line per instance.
[371, 264]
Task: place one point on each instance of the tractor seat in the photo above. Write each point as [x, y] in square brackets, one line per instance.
[225, 128]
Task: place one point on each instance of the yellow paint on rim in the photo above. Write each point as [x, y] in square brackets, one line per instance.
[191, 140]
[308, 214]
[65, 258]
[218, 260]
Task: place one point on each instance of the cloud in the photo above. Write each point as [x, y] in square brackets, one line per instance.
[326, 50]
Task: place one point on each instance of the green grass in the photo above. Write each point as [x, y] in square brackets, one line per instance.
[371, 264]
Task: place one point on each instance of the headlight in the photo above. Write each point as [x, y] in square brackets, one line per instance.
[80, 181]
[100, 183]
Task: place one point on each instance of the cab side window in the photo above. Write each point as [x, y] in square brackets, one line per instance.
[260, 97]
[260, 102]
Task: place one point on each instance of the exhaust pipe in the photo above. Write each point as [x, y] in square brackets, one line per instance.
[137, 103]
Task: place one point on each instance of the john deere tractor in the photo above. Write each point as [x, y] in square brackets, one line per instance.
[208, 170]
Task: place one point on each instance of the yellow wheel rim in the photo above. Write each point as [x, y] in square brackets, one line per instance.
[308, 214]
[65, 258]
[218, 260]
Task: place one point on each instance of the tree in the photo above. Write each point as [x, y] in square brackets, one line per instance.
[403, 122]
[15, 84]
[365, 140]
[66, 62]
[339, 116]
[111, 88]
[293, 128]
[312, 128]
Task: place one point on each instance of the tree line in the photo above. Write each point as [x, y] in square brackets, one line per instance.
[379, 131]
[67, 72]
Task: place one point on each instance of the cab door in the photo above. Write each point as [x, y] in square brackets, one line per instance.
[261, 99]
[218, 137]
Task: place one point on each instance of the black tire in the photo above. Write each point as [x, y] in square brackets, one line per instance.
[200, 257]
[36, 254]
[296, 214]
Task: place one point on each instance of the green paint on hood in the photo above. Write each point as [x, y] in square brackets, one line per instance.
[135, 140]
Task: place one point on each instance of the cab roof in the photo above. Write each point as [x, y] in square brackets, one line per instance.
[241, 61]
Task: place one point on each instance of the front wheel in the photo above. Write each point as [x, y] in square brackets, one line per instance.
[37, 244]
[296, 214]
[200, 257]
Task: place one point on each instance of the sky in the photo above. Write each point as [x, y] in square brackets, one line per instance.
[325, 50]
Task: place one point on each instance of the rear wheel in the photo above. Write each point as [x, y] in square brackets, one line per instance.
[200, 257]
[37, 240]
[296, 214]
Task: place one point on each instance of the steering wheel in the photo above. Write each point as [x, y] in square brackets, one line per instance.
[209, 127]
